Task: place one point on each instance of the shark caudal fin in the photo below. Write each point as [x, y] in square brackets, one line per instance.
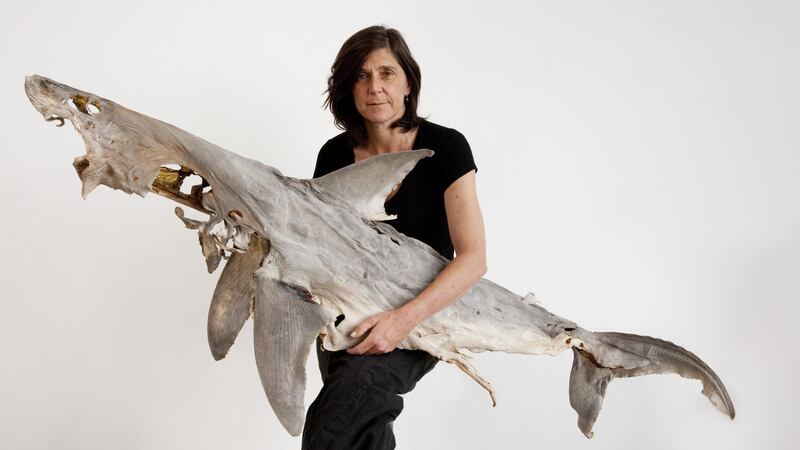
[605, 356]
[366, 184]
[587, 388]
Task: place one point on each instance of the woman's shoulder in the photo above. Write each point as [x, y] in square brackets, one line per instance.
[440, 138]
[336, 153]
[438, 133]
[339, 143]
[452, 155]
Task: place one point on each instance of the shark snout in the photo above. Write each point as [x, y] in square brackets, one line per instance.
[45, 95]
[56, 101]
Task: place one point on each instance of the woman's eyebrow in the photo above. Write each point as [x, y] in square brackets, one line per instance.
[384, 67]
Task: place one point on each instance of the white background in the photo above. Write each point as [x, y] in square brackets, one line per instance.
[638, 171]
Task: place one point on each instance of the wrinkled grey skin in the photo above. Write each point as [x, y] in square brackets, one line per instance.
[303, 252]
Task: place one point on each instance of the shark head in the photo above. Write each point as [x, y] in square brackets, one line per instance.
[49, 97]
[138, 154]
[124, 149]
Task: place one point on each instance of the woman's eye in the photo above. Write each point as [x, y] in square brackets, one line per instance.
[387, 74]
[361, 77]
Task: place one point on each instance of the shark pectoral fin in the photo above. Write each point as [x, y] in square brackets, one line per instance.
[587, 388]
[233, 296]
[366, 184]
[286, 322]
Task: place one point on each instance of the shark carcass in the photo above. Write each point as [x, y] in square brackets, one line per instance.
[308, 258]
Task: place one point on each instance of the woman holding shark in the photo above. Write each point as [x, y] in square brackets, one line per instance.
[373, 93]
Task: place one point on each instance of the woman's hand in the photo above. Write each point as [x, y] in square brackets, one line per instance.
[386, 330]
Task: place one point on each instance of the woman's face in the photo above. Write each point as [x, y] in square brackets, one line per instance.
[380, 88]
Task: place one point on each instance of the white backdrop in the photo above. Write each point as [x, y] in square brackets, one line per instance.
[638, 171]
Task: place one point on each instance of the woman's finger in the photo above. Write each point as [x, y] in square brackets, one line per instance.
[364, 326]
[364, 347]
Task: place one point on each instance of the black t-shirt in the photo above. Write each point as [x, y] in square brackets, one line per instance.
[419, 203]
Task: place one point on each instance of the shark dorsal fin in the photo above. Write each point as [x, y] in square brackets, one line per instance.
[366, 184]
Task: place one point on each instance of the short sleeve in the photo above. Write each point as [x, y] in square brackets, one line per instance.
[455, 159]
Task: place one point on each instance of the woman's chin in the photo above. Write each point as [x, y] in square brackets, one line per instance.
[379, 119]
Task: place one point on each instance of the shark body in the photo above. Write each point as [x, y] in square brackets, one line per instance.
[307, 258]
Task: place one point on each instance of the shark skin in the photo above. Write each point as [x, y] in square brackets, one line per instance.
[307, 258]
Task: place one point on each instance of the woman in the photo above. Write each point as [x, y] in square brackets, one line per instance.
[373, 92]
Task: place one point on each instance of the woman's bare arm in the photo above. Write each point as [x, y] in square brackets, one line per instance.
[387, 329]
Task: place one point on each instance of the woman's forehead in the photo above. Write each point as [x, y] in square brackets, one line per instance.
[380, 58]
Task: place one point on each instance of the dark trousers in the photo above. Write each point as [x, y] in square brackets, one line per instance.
[360, 398]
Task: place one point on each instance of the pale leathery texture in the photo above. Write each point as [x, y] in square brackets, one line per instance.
[307, 257]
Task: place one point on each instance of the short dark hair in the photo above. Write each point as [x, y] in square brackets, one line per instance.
[343, 76]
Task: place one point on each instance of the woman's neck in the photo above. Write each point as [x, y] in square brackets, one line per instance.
[384, 139]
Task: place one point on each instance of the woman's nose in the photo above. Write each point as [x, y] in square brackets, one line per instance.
[375, 86]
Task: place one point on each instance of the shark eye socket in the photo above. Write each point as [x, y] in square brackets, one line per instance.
[82, 104]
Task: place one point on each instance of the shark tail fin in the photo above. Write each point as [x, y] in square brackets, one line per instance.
[605, 356]
[587, 388]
